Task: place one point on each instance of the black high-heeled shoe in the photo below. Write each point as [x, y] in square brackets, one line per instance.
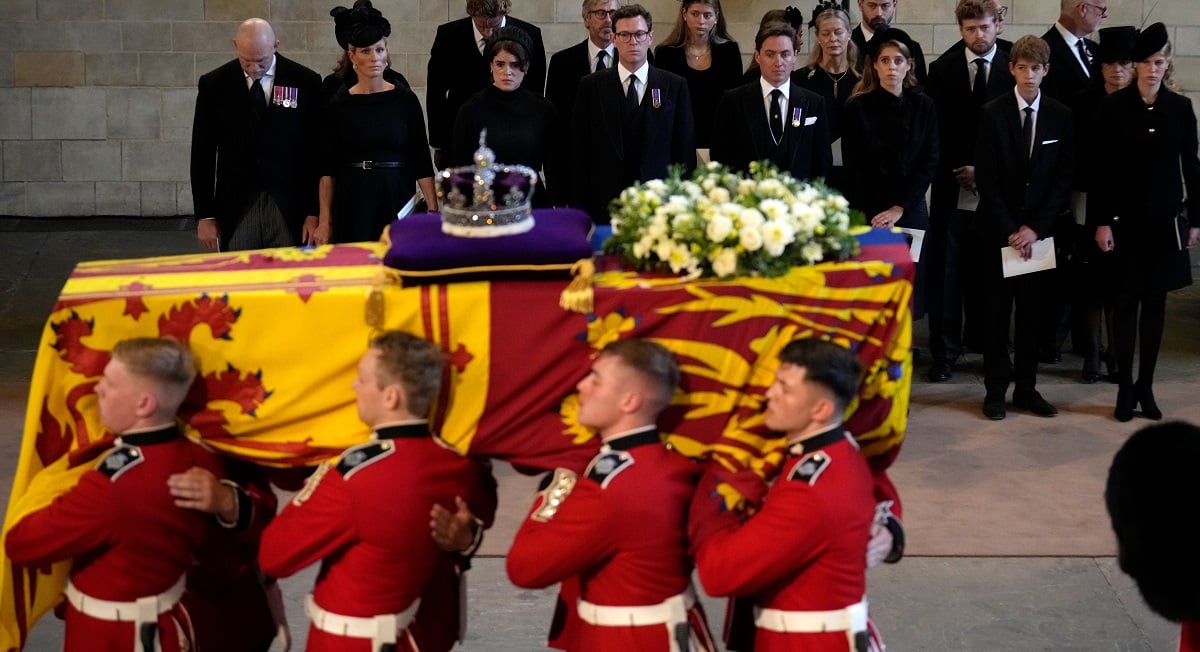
[1145, 397]
[1125, 402]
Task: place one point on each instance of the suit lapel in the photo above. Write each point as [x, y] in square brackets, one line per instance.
[756, 118]
[999, 79]
[611, 96]
[651, 115]
[793, 134]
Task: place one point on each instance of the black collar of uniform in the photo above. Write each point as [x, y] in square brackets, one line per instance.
[628, 442]
[817, 442]
[404, 431]
[150, 437]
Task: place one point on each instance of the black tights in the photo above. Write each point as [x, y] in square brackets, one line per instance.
[1128, 324]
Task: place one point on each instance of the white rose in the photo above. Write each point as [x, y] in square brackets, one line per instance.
[679, 258]
[713, 166]
[719, 228]
[724, 262]
[663, 249]
[746, 186]
[771, 188]
[776, 237]
[750, 238]
[656, 186]
[682, 221]
[718, 195]
[838, 202]
[812, 252]
[657, 227]
[750, 217]
[807, 195]
[641, 248]
[773, 208]
[692, 189]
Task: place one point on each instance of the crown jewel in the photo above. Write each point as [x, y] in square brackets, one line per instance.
[486, 199]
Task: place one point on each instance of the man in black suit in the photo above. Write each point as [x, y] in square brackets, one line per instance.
[774, 118]
[1023, 164]
[877, 15]
[630, 122]
[594, 53]
[457, 69]
[967, 75]
[253, 172]
[1073, 62]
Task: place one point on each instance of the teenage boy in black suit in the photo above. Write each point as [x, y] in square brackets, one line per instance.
[254, 140]
[772, 117]
[457, 69]
[967, 75]
[630, 122]
[1024, 160]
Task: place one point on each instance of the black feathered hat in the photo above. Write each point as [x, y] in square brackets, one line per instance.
[1152, 497]
[1149, 41]
[1116, 44]
[886, 35]
[359, 26]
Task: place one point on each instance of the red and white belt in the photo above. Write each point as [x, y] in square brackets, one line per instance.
[382, 630]
[670, 612]
[852, 620]
[139, 612]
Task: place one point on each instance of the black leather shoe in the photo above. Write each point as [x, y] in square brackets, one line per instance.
[1033, 402]
[1090, 378]
[1125, 402]
[1145, 397]
[993, 407]
[940, 372]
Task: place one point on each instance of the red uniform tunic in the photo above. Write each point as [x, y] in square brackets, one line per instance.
[127, 537]
[367, 520]
[621, 529]
[1189, 637]
[225, 596]
[804, 550]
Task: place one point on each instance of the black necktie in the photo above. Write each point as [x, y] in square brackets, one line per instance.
[600, 57]
[979, 89]
[1084, 56]
[257, 97]
[1027, 132]
[776, 116]
[631, 94]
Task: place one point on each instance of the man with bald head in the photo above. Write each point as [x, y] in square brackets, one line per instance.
[254, 181]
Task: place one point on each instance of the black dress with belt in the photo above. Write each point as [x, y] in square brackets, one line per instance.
[704, 86]
[522, 129]
[386, 127]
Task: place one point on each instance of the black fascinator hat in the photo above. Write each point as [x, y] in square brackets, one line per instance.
[822, 7]
[359, 26]
[1149, 41]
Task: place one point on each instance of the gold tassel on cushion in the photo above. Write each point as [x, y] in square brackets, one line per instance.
[578, 296]
[376, 309]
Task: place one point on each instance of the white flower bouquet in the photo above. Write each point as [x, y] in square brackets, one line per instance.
[723, 224]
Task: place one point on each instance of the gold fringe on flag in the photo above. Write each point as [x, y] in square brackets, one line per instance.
[578, 296]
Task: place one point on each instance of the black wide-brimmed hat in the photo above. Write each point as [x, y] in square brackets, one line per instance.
[1116, 44]
[886, 35]
[1151, 495]
[1149, 42]
[359, 26]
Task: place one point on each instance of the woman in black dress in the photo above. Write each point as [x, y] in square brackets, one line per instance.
[700, 50]
[1136, 201]
[522, 126]
[374, 150]
[343, 75]
[831, 74]
[890, 143]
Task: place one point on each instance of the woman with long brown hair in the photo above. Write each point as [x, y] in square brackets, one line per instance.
[700, 50]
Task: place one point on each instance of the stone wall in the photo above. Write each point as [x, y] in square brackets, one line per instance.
[96, 96]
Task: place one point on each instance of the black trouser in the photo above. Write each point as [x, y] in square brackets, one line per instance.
[1026, 293]
[954, 288]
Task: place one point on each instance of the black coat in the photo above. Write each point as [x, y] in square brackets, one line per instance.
[958, 117]
[1138, 187]
[457, 71]
[745, 134]
[1015, 190]
[235, 156]
[1066, 77]
[567, 67]
[918, 54]
[599, 166]
[890, 149]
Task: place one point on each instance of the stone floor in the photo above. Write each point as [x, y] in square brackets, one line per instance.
[976, 599]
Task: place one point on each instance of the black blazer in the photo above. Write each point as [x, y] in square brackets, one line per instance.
[598, 147]
[1014, 190]
[457, 71]
[918, 54]
[567, 67]
[958, 116]
[890, 150]
[1066, 78]
[233, 156]
[745, 134]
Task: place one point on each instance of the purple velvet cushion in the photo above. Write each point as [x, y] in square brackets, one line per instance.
[421, 252]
